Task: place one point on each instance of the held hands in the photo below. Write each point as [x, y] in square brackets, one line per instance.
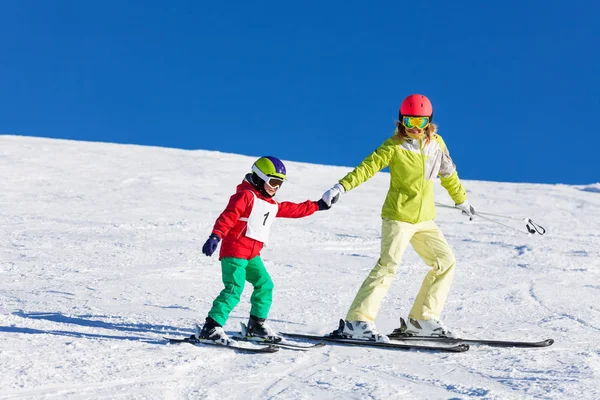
[467, 209]
[322, 205]
[211, 245]
[332, 195]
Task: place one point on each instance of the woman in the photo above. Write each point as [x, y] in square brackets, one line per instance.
[416, 154]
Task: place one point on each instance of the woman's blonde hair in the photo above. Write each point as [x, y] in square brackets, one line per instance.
[429, 131]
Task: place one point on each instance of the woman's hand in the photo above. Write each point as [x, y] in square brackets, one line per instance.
[467, 209]
[332, 195]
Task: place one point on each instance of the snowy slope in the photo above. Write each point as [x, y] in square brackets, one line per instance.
[100, 257]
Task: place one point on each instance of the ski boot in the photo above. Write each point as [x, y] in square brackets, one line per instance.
[258, 328]
[361, 330]
[428, 328]
[211, 330]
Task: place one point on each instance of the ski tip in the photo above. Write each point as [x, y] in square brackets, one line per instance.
[547, 342]
[271, 349]
[460, 348]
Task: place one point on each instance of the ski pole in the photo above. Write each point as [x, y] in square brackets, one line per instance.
[531, 226]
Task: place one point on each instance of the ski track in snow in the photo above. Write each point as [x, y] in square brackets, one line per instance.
[100, 258]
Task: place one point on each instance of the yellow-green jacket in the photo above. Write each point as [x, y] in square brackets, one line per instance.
[413, 168]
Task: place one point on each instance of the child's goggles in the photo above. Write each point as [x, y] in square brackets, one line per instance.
[415, 122]
[274, 183]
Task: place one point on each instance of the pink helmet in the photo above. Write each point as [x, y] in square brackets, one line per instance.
[416, 105]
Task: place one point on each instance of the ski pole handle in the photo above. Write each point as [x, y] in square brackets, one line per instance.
[532, 227]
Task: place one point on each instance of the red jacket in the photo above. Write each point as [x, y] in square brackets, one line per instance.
[234, 242]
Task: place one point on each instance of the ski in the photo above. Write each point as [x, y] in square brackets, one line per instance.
[486, 342]
[233, 346]
[399, 334]
[459, 348]
[286, 344]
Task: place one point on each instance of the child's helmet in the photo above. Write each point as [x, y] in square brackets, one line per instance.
[416, 105]
[265, 169]
[268, 166]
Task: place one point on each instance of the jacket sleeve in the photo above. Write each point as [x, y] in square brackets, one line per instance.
[287, 209]
[373, 163]
[449, 176]
[238, 203]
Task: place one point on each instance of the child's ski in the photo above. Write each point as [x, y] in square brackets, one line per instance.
[280, 342]
[243, 347]
[285, 344]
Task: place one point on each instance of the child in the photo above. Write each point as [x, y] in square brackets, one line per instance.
[244, 228]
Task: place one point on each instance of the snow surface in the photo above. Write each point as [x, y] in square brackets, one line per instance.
[101, 257]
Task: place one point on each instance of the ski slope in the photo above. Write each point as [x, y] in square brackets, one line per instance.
[100, 256]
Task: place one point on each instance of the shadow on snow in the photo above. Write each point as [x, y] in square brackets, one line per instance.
[87, 321]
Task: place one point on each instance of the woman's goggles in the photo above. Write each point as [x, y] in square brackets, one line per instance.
[415, 122]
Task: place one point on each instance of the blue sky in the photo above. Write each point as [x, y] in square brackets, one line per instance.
[514, 84]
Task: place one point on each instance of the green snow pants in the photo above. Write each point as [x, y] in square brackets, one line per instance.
[235, 271]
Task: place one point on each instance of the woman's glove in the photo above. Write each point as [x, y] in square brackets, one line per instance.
[467, 209]
[211, 245]
[332, 195]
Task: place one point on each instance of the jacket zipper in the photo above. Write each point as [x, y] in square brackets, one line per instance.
[422, 180]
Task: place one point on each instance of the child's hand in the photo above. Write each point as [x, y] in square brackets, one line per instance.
[322, 205]
[210, 245]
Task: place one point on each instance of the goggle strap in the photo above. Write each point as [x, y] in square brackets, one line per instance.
[264, 177]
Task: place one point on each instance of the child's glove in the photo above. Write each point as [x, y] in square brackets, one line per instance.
[322, 205]
[332, 195]
[211, 245]
[467, 209]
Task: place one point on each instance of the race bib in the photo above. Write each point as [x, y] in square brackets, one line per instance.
[260, 220]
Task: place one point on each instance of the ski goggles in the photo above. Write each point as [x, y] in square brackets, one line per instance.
[274, 183]
[415, 122]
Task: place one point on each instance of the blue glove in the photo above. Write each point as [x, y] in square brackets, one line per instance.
[211, 245]
[322, 205]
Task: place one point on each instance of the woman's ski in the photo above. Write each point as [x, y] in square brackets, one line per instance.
[400, 334]
[486, 342]
[459, 348]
